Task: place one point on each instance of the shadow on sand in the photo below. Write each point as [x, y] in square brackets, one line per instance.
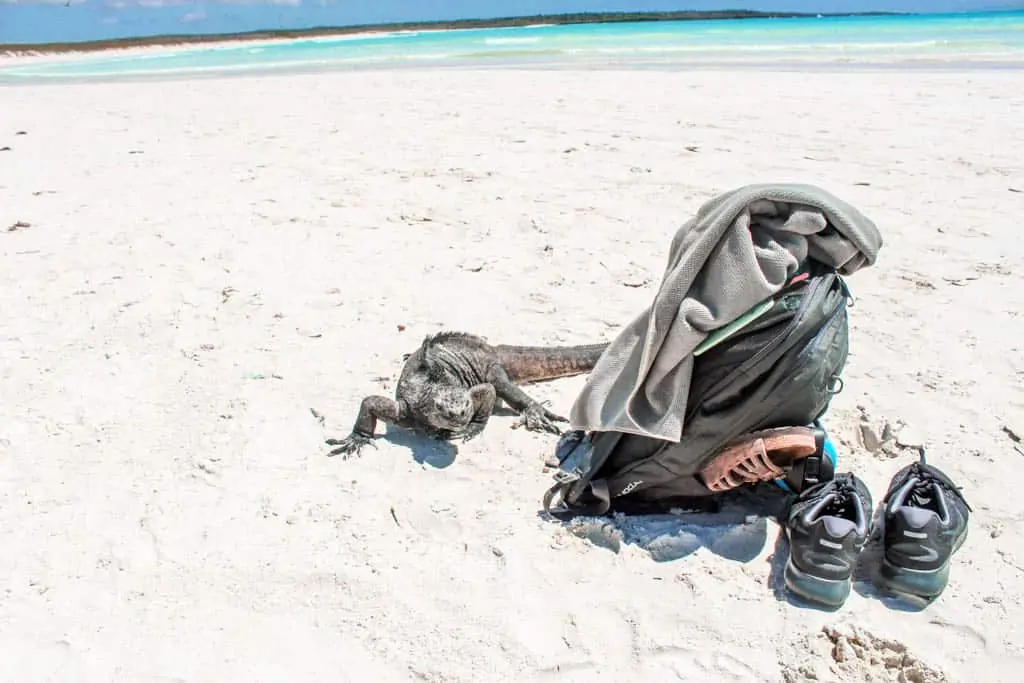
[428, 451]
[425, 450]
[735, 527]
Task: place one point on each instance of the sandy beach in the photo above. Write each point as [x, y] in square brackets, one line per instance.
[192, 271]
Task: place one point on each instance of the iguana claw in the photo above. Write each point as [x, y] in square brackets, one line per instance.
[472, 430]
[540, 419]
[349, 446]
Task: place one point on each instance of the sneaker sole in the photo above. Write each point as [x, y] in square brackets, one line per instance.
[759, 456]
[830, 592]
[927, 584]
[918, 582]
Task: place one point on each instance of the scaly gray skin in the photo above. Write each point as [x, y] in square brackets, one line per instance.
[449, 387]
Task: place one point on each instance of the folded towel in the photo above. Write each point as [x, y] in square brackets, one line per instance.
[739, 249]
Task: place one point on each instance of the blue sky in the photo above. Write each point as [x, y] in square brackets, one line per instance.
[35, 21]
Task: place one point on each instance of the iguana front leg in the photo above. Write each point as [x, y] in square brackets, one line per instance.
[535, 417]
[372, 408]
[484, 397]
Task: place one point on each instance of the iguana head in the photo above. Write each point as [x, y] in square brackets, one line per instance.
[437, 394]
[446, 408]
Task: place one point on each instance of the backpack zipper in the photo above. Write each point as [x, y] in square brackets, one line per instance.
[826, 281]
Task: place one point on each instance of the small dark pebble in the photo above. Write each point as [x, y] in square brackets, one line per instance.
[5, 149]
[20, 225]
[863, 184]
[21, 132]
[1012, 433]
[1014, 189]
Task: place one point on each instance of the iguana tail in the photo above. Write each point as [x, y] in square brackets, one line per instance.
[538, 363]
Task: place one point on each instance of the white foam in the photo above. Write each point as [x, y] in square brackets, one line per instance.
[512, 41]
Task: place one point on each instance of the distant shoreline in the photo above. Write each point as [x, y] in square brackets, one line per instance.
[40, 49]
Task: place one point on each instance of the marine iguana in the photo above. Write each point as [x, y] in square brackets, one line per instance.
[451, 383]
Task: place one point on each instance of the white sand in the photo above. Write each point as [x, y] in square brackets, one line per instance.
[208, 261]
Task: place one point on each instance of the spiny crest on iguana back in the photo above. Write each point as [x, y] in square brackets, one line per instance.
[443, 363]
[457, 358]
[439, 338]
[446, 336]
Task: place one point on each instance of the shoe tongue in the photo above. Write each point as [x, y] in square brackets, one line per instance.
[923, 495]
[903, 488]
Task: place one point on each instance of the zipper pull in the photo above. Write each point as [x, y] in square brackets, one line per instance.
[846, 291]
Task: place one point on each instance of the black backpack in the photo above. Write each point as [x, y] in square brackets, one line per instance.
[781, 370]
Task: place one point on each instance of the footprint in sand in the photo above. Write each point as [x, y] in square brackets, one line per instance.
[706, 664]
[600, 644]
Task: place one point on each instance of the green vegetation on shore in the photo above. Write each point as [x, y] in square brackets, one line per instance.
[579, 18]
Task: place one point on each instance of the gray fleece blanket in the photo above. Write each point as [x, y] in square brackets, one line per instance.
[740, 248]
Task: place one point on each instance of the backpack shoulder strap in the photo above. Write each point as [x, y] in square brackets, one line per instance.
[581, 455]
[594, 502]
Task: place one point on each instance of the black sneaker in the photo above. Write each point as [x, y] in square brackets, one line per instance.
[828, 526]
[925, 522]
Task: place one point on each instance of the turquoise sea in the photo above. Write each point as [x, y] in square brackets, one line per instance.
[995, 39]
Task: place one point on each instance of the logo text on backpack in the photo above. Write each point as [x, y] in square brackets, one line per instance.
[630, 487]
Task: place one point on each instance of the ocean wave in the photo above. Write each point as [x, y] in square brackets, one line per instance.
[487, 54]
[354, 37]
[783, 47]
[512, 41]
[524, 26]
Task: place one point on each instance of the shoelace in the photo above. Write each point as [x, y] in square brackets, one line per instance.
[847, 493]
[842, 492]
[924, 476]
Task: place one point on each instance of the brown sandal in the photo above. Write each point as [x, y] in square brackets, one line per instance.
[759, 456]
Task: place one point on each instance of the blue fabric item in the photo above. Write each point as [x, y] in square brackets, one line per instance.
[830, 451]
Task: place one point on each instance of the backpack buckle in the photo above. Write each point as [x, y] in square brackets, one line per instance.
[813, 469]
[562, 501]
[564, 477]
[570, 452]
